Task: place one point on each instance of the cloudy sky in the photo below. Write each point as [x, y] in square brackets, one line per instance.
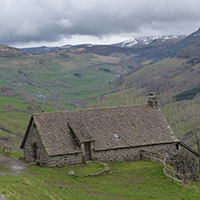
[60, 22]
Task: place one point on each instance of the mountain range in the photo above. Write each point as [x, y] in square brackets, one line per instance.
[138, 42]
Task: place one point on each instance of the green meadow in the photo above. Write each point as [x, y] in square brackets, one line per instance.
[133, 180]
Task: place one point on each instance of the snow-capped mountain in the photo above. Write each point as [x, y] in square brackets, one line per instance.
[145, 40]
[130, 43]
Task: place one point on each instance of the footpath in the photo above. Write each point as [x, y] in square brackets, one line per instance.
[14, 165]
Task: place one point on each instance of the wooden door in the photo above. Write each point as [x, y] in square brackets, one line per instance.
[34, 151]
[87, 151]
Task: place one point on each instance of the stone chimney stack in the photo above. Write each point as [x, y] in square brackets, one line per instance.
[153, 100]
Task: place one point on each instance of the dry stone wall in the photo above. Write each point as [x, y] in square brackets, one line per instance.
[33, 137]
[42, 156]
[63, 160]
[131, 154]
[186, 163]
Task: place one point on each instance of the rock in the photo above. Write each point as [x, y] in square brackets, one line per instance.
[71, 173]
[2, 197]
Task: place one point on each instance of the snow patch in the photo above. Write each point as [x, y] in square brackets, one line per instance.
[196, 35]
[145, 40]
[129, 43]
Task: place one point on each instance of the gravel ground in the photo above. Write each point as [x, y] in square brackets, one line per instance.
[15, 165]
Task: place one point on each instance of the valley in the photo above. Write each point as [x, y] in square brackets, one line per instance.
[100, 76]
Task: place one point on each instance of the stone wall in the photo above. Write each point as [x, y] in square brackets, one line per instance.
[33, 137]
[42, 156]
[132, 154]
[63, 160]
[186, 163]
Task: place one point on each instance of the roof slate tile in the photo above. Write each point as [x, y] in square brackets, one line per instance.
[135, 126]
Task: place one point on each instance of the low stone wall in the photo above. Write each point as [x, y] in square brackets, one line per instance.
[131, 154]
[186, 163]
[63, 160]
[104, 171]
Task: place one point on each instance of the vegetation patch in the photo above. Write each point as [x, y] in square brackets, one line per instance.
[105, 70]
[4, 169]
[188, 94]
[11, 154]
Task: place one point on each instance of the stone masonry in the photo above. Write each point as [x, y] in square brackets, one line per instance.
[42, 157]
[32, 138]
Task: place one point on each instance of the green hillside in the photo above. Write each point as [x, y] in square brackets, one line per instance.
[58, 75]
[133, 180]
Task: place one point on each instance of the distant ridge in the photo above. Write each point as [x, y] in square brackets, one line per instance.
[45, 49]
[147, 40]
[130, 43]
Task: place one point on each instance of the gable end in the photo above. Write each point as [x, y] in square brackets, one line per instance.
[27, 132]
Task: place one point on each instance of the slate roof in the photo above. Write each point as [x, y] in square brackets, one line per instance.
[62, 132]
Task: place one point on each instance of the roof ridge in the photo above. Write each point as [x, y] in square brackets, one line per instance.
[96, 108]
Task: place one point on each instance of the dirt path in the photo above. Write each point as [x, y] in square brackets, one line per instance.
[15, 165]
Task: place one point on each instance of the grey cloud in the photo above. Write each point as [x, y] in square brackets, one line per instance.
[49, 20]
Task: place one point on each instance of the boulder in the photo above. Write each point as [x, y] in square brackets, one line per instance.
[71, 173]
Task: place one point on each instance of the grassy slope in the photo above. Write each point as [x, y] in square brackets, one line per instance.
[134, 180]
[53, 75]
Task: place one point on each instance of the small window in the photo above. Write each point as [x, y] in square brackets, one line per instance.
[116, 136]
[34, 125]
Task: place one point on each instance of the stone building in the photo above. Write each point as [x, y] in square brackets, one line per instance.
[104, 134]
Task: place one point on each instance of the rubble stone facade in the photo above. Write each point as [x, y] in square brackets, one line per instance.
[32, 138]
[42, 156]
[133, 153]
[186, 163]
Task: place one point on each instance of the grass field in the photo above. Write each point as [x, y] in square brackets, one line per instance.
[133, 180]
[11, 154]
[55, 74]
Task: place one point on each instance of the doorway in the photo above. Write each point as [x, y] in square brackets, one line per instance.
[87, 151]
[34, 151]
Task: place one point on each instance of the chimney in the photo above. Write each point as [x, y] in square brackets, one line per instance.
[153, 100]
